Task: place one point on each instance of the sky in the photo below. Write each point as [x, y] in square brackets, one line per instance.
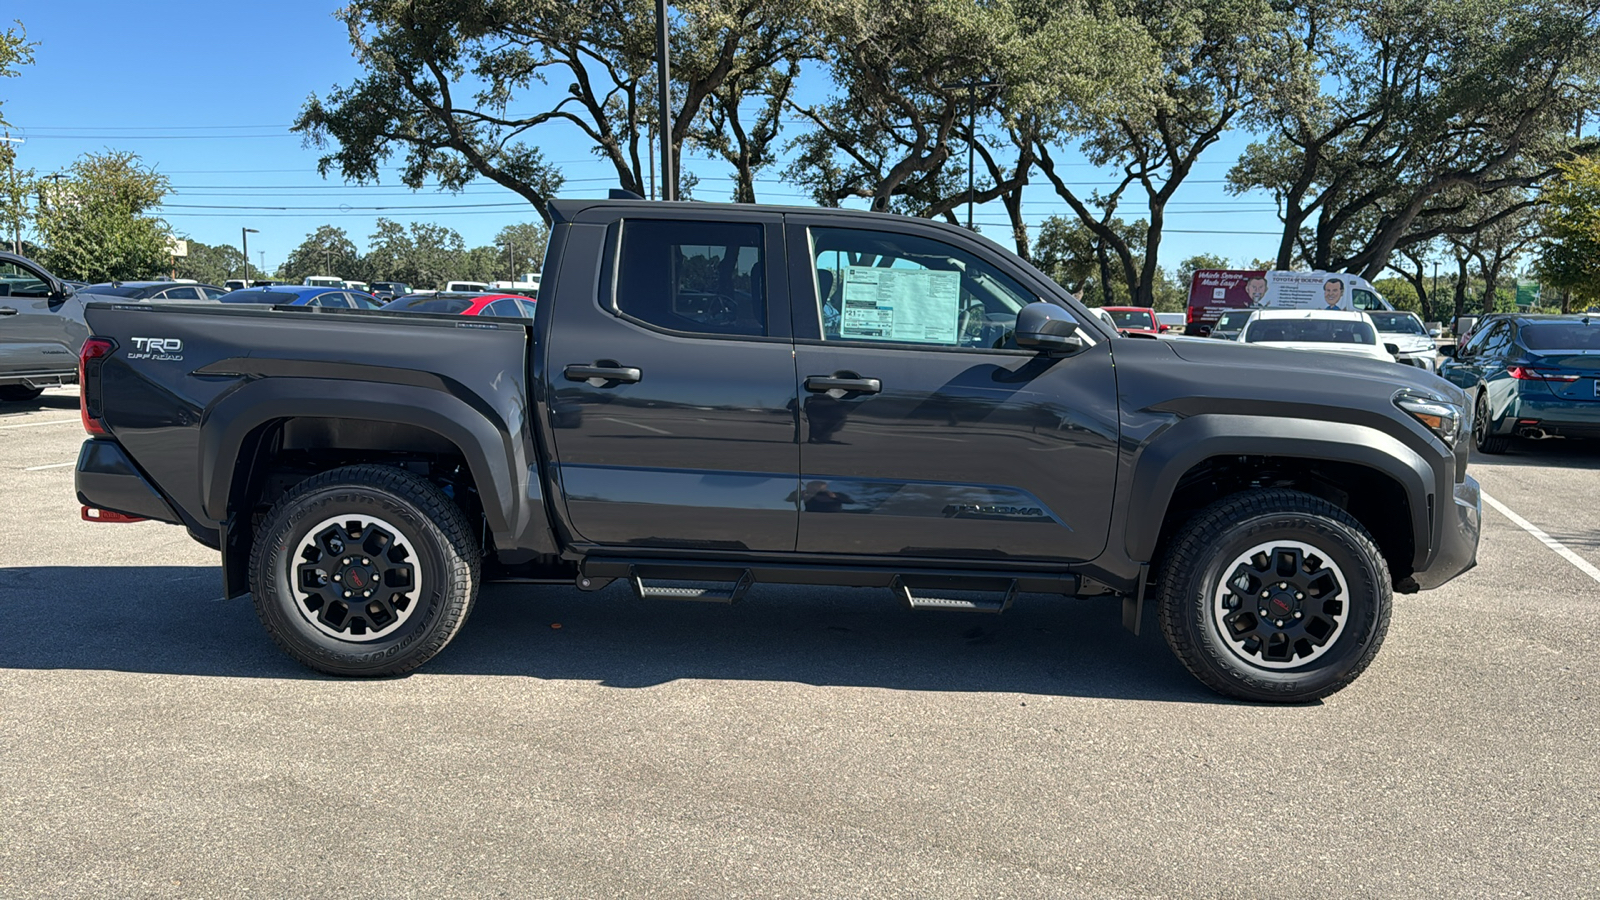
[205, 94]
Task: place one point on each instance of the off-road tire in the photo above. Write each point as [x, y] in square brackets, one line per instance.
[424, 520]
[19, 393]
[1482, 428]
[1205, 555]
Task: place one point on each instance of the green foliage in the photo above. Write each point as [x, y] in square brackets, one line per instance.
[522, 246]
[1193, 264]
[1569, 254]
[326, 251]
[1401, 293]
[1424, 109]
[15, 52]
[93, 223]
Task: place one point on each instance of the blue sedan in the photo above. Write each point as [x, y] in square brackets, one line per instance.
[303, 295]
[1531, 376]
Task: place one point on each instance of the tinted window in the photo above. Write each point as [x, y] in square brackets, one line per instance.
[507, 307]
[704, 277]
[182, 293]
[1561, 336]
[211, 293]
[878, 286]
[1232, 321]
[276, 297]
[338, 301]
[110, 291]
[445, 305]
[363, 301]
[1317, 331]
[1398, 323]
[1132, 318]
[1498, 343]
[1366, 299]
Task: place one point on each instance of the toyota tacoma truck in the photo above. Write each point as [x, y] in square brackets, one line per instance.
[713, 397]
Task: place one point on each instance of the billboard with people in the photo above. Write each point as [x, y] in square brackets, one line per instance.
[1215, 291]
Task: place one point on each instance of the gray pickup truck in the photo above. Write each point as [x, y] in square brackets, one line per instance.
[714, 397]
[41, 329]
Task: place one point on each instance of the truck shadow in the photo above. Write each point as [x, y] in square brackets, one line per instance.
[171, 621]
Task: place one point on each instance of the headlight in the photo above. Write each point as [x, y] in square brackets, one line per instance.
[1441, 417]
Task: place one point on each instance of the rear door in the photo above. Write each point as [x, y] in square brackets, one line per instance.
[925, 431]
[671, 383]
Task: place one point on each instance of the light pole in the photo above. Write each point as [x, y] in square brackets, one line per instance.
[263, 267]
[972, 85]
[511, 261]
[244, 243]
[669, 175]
[1436, 283]
[13, 194]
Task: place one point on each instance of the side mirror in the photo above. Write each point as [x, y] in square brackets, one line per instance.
[1047, 328]
[1448, 350]
[1394, 349]
[1166, 328]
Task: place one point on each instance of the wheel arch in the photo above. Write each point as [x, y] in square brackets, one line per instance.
[1380, 481]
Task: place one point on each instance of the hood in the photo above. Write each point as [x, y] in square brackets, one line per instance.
[1259, 364]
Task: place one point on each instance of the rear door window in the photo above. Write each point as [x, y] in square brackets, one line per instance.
[693, 276]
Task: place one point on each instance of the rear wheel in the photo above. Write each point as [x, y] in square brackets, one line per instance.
[19, 393]
[364, 570]
[1276, 596]
[1483, 436]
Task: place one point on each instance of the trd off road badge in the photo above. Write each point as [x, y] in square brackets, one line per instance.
[158, 349]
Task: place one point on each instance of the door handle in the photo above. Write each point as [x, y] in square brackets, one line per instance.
[598, 375]
[7, 311]
[821, 384]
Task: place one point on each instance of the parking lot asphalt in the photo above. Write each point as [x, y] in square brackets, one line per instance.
[805, 743]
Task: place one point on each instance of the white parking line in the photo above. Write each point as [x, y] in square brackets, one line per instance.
[1560, 548]
[39, 424]
[51, 466]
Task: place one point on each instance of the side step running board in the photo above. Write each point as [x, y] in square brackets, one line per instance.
[733, 593]
[1007, 593]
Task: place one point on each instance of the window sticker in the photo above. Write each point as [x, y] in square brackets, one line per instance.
[919, 305]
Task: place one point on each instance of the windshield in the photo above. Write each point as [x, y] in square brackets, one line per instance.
[274, 297]
[1562, 335]
[447, 305]
[1313, 331]
[1131, 318]
[1232, 321]
[1398, 323]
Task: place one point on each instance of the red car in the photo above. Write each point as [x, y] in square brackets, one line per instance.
[511, 306]
[1135, 318]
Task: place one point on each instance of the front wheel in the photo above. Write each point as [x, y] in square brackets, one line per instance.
[364, 570]
[1274, 595]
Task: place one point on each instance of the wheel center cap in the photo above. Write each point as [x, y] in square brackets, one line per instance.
[1281, 605]
[358, 578]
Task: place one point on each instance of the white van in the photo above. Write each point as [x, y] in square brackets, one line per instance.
[327, 281]
[468, 287]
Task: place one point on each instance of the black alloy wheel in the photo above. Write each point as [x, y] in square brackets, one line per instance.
[1274, 595]
[364, 570]
[1483, 436]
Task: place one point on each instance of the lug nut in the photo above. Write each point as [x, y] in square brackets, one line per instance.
[1299, 596]
[365, 561]
[347, 593]
[366, 593]
[1265, 594]
[347, 560]
[1298, 614]
[335, 578]
[1263, 612]
[1279, 623]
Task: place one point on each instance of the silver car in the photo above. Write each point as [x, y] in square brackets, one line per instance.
[41, 329]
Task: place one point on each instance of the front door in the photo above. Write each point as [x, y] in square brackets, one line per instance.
[926, 431]
[39, 334]
[672, 392]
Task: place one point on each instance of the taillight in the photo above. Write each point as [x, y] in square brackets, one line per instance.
[90, 360]
[1194, 313]
[1525, 373]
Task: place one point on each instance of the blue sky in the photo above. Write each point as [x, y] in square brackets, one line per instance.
[204, 92]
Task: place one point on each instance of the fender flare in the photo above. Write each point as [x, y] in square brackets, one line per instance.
[501, 479]
[1192, 441]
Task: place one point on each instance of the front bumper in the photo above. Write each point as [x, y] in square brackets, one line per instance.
[1458, 537]
[107, 478]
